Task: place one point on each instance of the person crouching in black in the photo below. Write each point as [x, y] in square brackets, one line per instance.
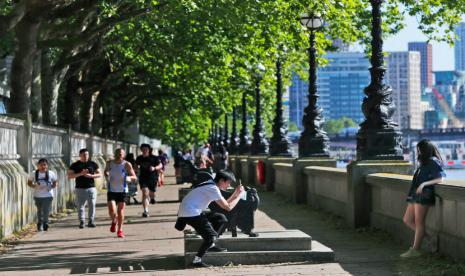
[212, 225]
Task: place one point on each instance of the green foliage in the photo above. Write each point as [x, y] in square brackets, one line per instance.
[335, 126]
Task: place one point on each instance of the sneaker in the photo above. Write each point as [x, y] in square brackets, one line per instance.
[152, 201]
[91, 224]
[199, 264]
[81, 224]
[45, 226]
[120, 234]
[39, 227]
[217, 249]
[411, 252]
[145, 214]
[252, 234]
[113, 226]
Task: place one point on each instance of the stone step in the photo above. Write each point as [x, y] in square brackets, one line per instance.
[272, 240]
[318, 254]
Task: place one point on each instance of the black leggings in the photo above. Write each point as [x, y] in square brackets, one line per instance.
[208, 226]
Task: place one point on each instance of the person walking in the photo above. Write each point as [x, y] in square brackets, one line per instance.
[43, 182]
[421, 194]
[119, 172]
[85, 171]
[212, 225]
[164, 161]
[148, 166]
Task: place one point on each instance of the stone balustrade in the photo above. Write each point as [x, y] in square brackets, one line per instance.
[22, 144]
[384, 196]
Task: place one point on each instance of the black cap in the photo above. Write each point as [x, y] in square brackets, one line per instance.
[228, 175]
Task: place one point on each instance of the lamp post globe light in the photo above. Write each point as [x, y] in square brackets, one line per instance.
[259, 143]
[378, 137]
[313, 141]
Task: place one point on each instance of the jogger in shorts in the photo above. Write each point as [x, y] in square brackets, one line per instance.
[148, 166]
[119, 172]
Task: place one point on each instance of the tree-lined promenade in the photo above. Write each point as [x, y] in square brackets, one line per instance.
[175, 65]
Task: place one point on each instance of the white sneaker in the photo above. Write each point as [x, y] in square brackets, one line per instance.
[411, 253]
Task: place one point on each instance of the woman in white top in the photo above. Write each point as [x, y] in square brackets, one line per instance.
[44, 182]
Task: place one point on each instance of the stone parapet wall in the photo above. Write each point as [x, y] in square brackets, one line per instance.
[284, 180]
[327, 189]
[373, 193]
[22, 144]
[446, 219]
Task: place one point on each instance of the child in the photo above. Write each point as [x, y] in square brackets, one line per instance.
[43, 181]
[421, 194]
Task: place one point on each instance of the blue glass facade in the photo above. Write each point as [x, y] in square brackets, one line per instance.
[340, 86]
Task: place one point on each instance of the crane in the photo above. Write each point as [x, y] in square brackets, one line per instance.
[456, 122]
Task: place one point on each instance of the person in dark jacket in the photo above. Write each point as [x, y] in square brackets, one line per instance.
[421, 194]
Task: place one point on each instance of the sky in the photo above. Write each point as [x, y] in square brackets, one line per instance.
[443, 54]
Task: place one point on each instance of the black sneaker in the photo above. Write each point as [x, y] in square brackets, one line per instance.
[91, 224]
[39, 227]
[217, 249]
[252, 234]
[81, 224]
[152, 201]
[45, 226]
[200, 264]
[145, 214]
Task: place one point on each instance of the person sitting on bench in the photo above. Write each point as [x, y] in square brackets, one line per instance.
[212, 225]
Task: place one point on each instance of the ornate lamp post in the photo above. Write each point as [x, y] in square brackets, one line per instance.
[280, 145]
[313, 141]
[244, 141]
[234, 140]
[378, 137]
[259, 143]
[225, 132]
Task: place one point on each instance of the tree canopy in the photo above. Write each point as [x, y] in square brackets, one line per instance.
[176, 65]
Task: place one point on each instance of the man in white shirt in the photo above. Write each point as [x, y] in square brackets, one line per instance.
[196, 201]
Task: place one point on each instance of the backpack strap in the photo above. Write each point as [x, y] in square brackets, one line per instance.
[47, 178]
[37, 176]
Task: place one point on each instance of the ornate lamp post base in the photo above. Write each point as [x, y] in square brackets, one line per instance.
[379, 144]
[280, 148]
[314, 146]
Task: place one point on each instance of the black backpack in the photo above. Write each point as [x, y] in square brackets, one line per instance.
[252, 198]
[46, 176]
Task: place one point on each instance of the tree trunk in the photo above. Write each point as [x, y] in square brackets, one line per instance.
[51, 82]
[21, 71]
[72, 100]
[36, 97]
[97, 116]
[89, 100]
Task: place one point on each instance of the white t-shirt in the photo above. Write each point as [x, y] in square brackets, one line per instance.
[198, 200]
[44, 189]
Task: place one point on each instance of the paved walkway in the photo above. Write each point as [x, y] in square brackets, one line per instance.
[153, 247]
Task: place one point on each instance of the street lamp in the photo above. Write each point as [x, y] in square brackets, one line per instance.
[279, 144]
[378, 137]
[244, 141]
[234, 140]
[313, 141]
[259, 143]
[225, 133]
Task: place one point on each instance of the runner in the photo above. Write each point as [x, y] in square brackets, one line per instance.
[118, 172]
[85, 171]
[43, 181]
[148, 166]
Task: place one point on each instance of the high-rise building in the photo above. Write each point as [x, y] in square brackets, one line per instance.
[403, 75]
[459, 47]
[426, 53]
[340, 87]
